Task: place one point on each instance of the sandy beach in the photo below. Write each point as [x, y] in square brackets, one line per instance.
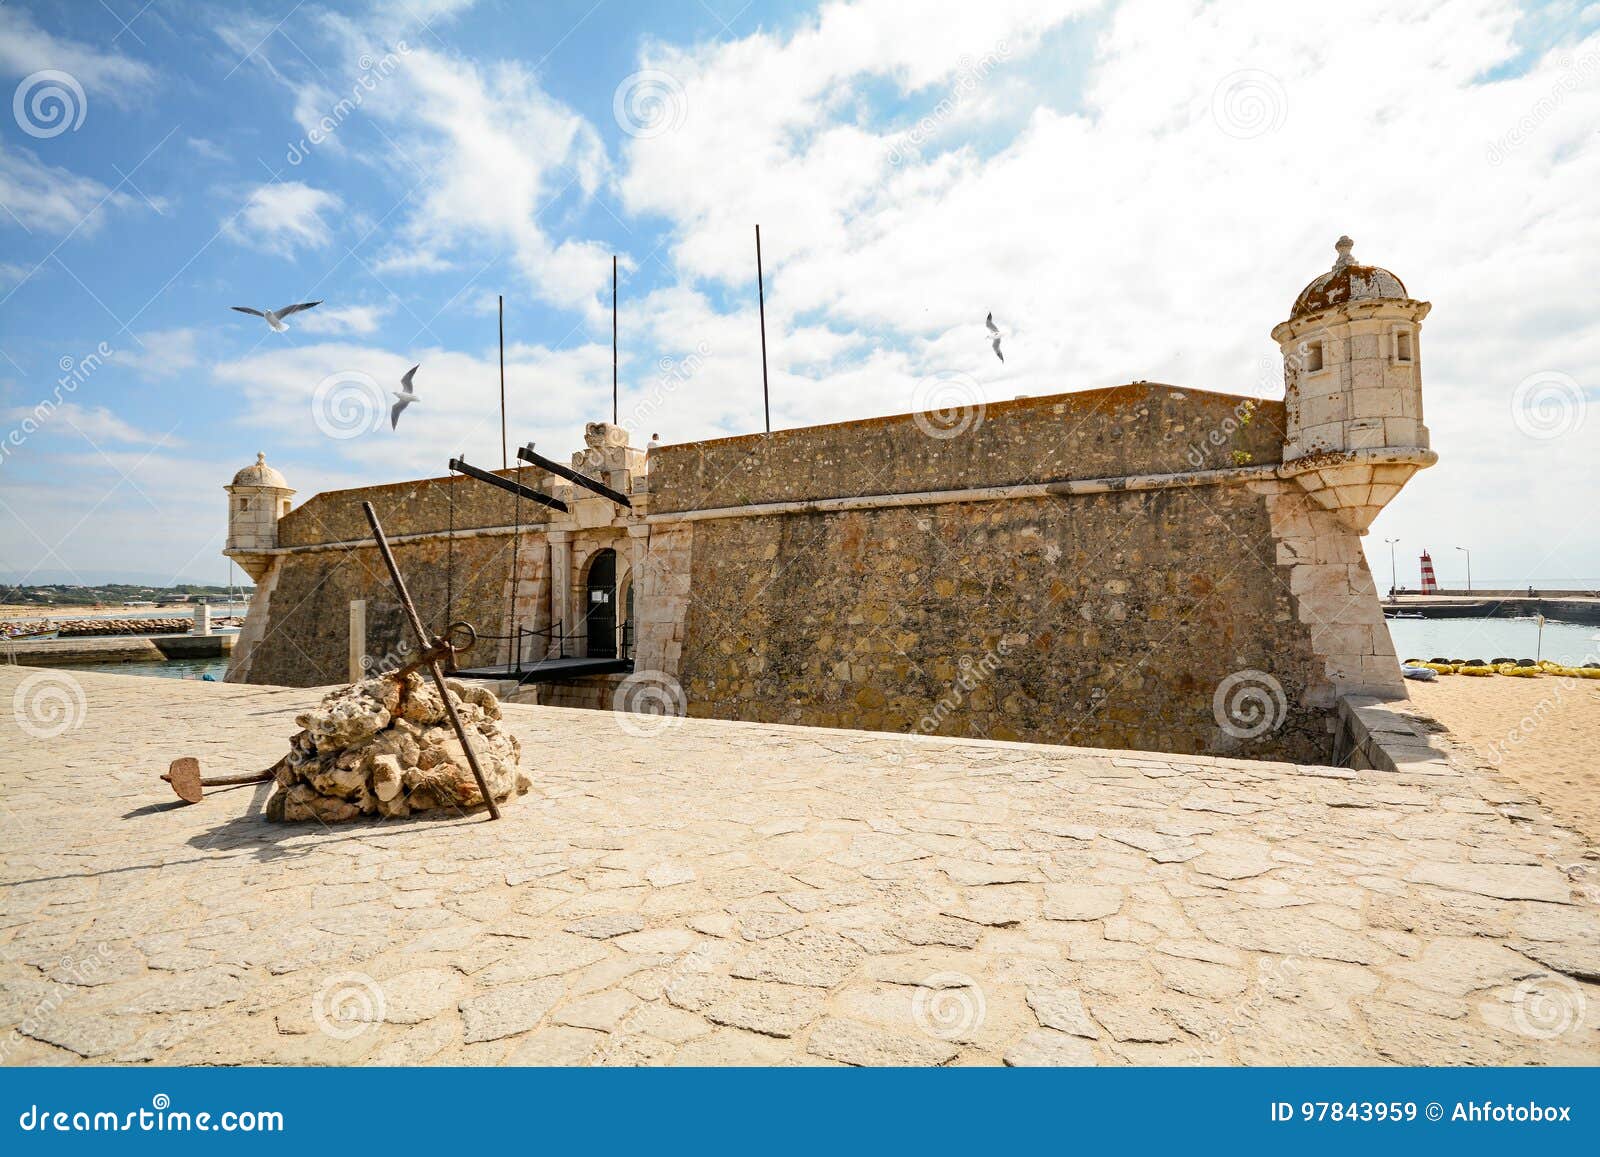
[1543, 734]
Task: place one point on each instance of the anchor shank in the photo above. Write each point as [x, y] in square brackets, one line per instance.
[433, 664]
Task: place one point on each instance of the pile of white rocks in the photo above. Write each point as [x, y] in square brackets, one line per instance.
[384, 746]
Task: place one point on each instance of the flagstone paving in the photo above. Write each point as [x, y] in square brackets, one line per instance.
[726, 893]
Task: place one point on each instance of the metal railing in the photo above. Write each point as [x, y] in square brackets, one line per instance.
[554, 638]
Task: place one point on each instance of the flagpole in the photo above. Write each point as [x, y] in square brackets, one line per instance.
[505, 461]
[613, 339]
[761, 291]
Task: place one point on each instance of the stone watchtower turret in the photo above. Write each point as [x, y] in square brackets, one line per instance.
[1352, 372]
[257, 498]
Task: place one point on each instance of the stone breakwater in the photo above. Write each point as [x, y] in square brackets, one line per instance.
[384, 746]
[78, 628]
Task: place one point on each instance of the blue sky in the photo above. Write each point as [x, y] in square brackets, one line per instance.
[1136, 190]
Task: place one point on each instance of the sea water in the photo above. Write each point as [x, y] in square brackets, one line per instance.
[1494, 638]
[170, 669]
[1413, 638]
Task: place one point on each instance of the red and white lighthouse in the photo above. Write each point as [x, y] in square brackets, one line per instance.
[1430, 585]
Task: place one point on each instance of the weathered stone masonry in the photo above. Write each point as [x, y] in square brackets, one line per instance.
[1086, 568]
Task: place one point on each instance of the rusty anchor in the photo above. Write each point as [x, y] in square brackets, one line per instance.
[184, 773]
[432, 652]
[184, 776]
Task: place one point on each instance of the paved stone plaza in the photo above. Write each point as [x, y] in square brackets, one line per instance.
[727, 893]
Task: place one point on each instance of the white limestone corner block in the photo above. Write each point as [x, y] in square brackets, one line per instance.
[1404, 432]
[1347, 639]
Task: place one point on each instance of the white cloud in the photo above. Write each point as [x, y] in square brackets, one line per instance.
[208, 149]
[464, 132]
[137, 509]
[770, 131]
[292, 396]
[53, 200]
[161, 353]
[1140, 197]
[1155, 228]
[96, 424]
[483, 155]
[284, 217]
[25, 48]
[360, 320]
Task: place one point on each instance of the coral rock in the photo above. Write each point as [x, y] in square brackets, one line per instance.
[384, 746]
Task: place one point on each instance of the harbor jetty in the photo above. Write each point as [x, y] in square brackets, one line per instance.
[1561, 606]
[62, 652]
[118, 640]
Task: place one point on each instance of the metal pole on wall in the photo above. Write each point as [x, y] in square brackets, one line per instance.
[761, 292]
[505, 460]
[613, 339]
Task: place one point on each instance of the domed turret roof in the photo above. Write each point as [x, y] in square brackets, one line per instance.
[1347, 281]
[260, 475]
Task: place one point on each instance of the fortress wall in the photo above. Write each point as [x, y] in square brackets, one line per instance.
[301, 613]
[1102, 620]
[306, 638]
[1135, 429]
[412, 508]
[1107, 618]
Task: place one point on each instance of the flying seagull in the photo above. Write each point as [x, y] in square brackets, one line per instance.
[406, 397]
[994, 336]
[275, 316]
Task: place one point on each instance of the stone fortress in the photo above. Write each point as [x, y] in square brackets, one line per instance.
[1144, 566]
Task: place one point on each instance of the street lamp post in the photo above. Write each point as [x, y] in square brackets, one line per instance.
[1468, 553]
[1394, 581]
